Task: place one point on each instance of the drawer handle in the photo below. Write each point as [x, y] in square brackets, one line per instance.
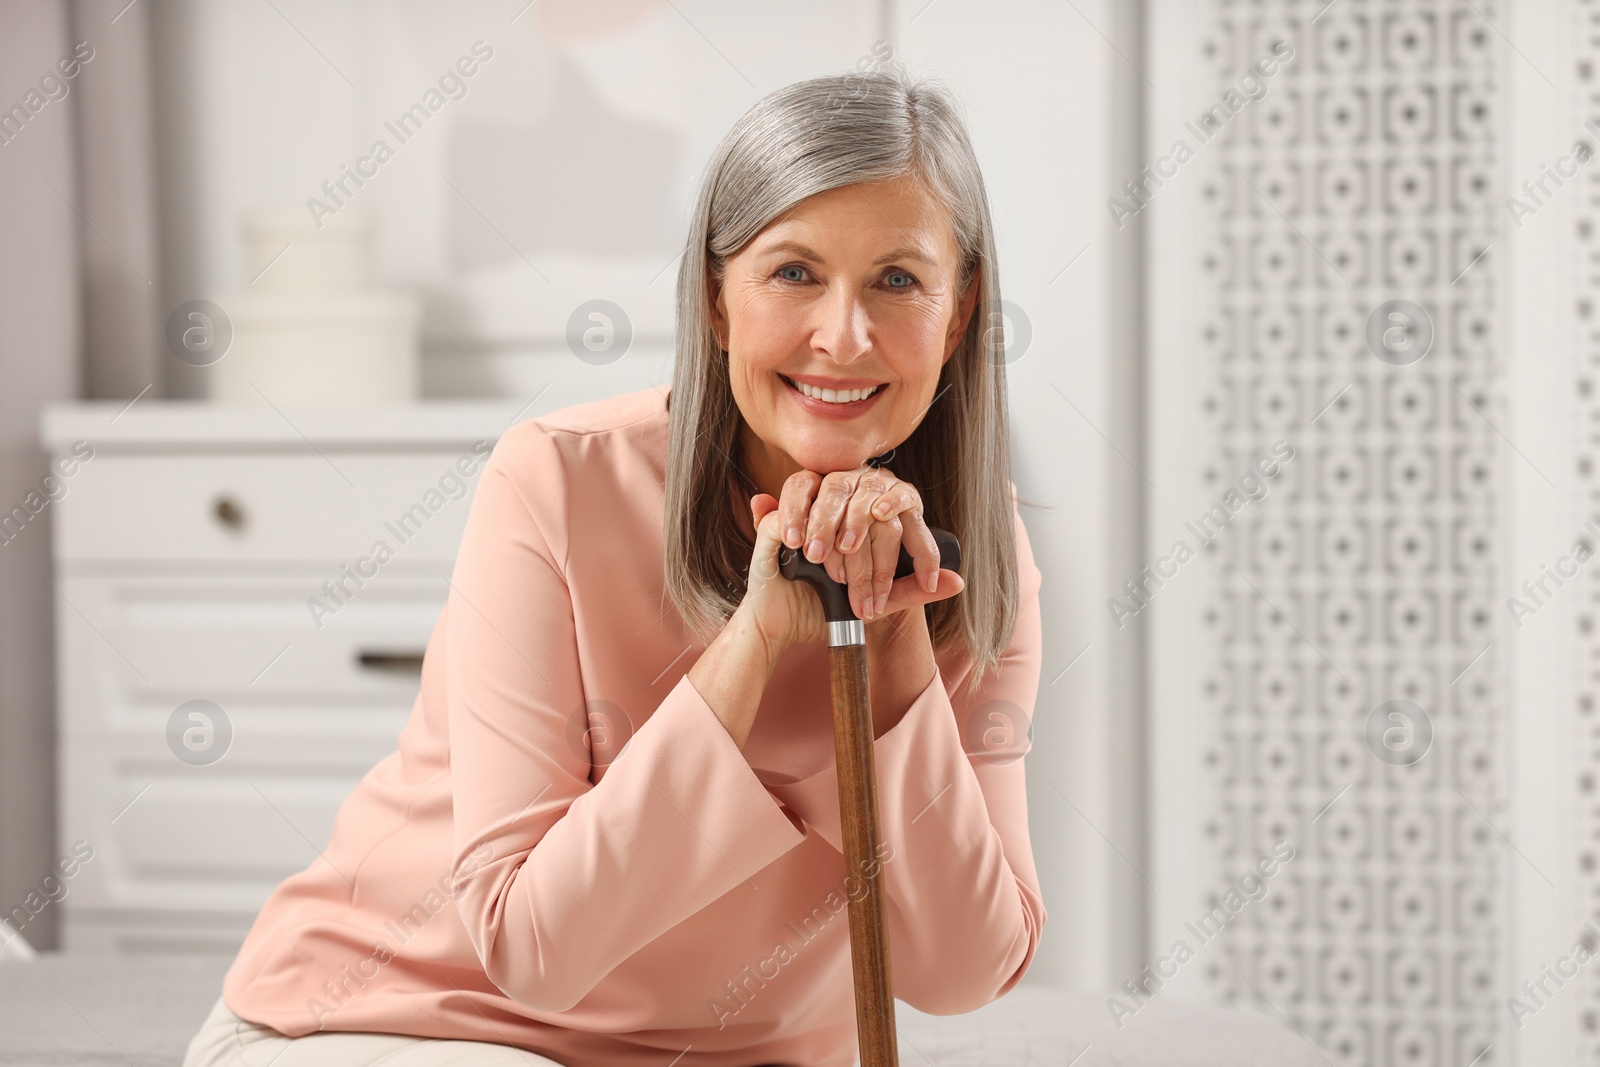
[228, 512]
[390, 661]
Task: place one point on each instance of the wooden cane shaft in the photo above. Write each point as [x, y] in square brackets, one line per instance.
[858, 819]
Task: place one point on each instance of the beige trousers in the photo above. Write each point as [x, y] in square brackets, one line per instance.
[225, 1040]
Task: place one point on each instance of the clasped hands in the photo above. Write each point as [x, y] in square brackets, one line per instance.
[853, 523]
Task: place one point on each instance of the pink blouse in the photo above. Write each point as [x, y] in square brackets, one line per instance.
[568, 852]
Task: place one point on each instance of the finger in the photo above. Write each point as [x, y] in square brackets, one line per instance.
[886, 538]
[834, 564]
[907, 593]
[903, 499]
[864, 570]
[832, 561]
[822, 527]
[897, 496]
[862, 566]
[764, 559]
[873, 486]
[761, 505]
[798, 491]
[924, 549]
[858, 584]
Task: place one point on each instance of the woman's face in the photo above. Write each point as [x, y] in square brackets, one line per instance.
[854, 288]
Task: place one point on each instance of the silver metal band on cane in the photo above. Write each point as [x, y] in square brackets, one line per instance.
[848, 632]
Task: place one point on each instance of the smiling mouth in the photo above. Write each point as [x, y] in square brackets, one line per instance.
[831, 396]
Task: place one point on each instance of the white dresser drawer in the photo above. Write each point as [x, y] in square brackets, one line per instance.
[260, 507]
[133, 648]
[297, 715]
[216, 838]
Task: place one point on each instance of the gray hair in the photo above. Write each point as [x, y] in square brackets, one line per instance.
[803, 139]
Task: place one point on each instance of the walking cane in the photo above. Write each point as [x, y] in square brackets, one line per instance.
[858, 789]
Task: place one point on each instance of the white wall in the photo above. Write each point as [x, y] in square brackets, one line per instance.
[1552, 752]
[1037, 78]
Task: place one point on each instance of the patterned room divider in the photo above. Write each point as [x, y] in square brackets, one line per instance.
[1328, 541]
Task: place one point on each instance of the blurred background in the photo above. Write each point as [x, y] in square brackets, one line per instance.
[1301, 347]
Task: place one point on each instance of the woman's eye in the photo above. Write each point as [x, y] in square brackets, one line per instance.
[909, 280]
[783, 273]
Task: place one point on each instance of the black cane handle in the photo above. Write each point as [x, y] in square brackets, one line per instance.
[835, 596]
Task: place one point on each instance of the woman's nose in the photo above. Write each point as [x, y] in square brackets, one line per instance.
[841, 331]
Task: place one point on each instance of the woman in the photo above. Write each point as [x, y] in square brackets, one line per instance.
[610, 834]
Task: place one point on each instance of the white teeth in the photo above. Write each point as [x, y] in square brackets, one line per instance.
[835, 396]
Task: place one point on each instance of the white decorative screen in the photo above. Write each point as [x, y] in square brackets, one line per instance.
[1326, 372]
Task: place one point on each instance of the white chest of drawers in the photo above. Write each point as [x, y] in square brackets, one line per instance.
[234, 648]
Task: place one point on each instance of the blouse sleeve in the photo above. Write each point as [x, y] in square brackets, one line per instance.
[963, 901]
[578, 876]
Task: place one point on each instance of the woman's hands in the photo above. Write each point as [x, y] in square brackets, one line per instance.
[853, 523]
[776, 613]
